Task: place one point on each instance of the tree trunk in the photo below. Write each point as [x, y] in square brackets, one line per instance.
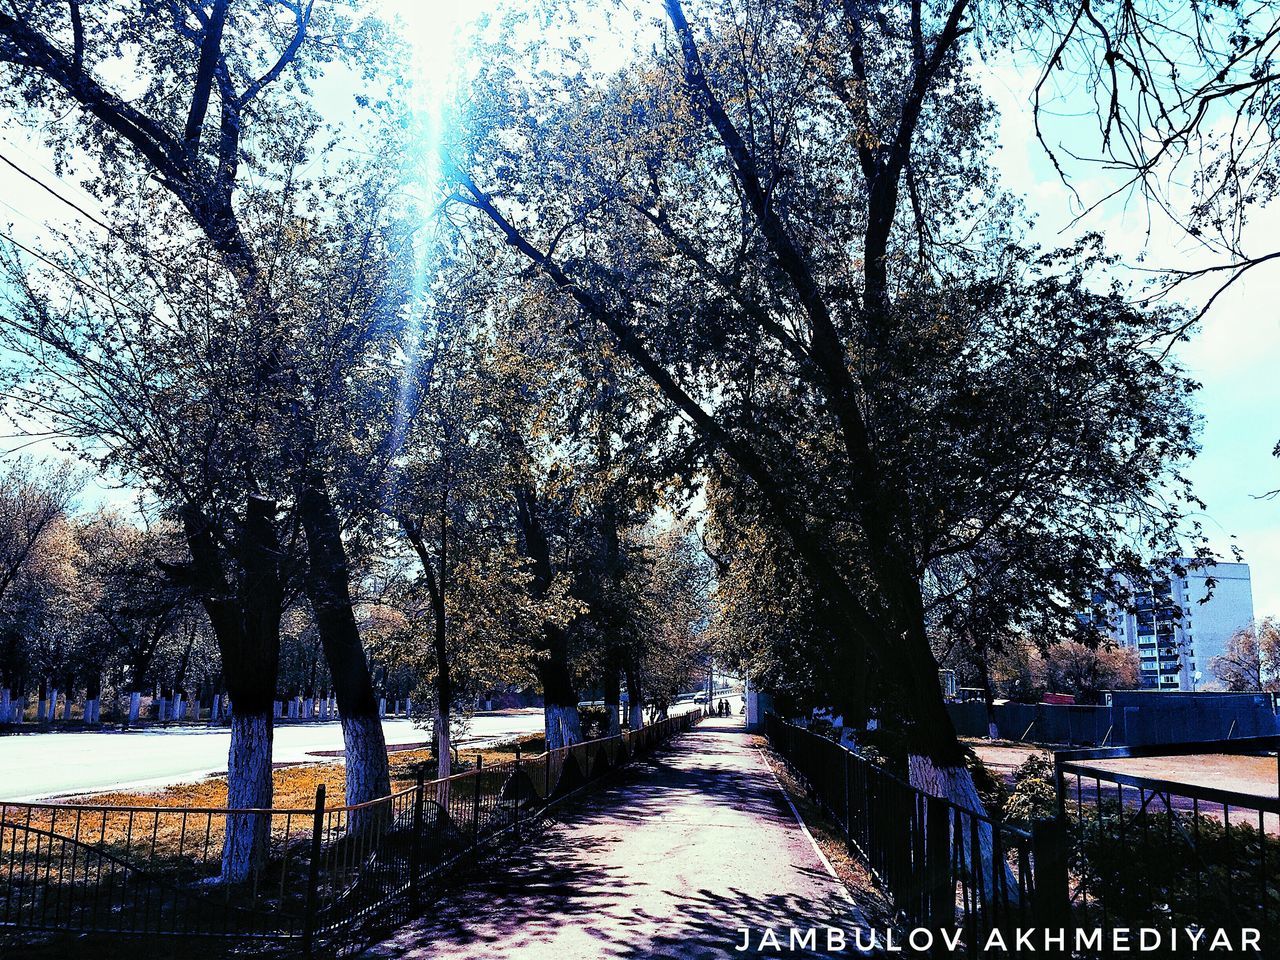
[244, 849]
[560, 700]
[936, 761]
[988, 695]
[444, 755]
[635, 695]
[329, 592]
[612, 698]
[246, 624]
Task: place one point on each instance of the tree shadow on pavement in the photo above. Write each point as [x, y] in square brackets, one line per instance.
[657, 862]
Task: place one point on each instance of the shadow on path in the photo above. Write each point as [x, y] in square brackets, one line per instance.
[670, 859]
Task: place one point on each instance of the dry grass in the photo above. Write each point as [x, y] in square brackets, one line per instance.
[295, 785]
[162, 829]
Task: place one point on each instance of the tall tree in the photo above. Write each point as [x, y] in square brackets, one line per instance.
[1251, 660]
[775, 214]
[226, 93]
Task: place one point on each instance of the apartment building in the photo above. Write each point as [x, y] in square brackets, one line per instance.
[1178, 625]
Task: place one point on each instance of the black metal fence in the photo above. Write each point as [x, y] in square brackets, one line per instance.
[1126, 852]
[944, 866]
[1154, 852]
[320, 872]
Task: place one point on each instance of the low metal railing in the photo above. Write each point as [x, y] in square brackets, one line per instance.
[1159, 853]
[159, 872]
[1125, 854]
[944, 867]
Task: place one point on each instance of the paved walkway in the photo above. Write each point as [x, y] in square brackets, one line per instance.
[670, 859]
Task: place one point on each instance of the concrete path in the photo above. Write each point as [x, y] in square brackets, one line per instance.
[672, 858]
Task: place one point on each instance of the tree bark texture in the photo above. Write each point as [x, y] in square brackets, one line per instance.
[328, 589]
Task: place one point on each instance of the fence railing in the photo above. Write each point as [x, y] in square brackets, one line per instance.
[944, 866]
[1156, 852]
[1125, 853]
[315, 873]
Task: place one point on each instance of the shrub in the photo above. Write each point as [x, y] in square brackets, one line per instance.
[1034, 795]
[1179, 868]
[991, 789]
[595, 722]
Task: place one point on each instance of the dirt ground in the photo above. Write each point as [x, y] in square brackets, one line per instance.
[1252, 775]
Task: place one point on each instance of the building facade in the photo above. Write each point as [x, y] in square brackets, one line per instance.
[1177, 631]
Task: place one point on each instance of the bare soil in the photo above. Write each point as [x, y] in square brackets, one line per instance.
[1253, 775]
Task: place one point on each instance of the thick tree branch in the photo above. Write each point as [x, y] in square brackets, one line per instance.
[805, 539]
[207, 66]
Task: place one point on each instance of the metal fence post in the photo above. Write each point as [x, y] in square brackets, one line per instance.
[1060, 787]
[848, 824]
[940, 894]
[415, 842]
[1050, 896]
[519, 791]
[475, 803]
[313, 876]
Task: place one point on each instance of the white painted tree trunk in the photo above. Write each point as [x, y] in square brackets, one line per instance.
[53, 704]
[551, 731]
[444, 751]
[956, 784]
[135, 705]
[636, 720]
[614, 727]
[562, 725]
[66, 706]
[4, 704]
[993, 732]
[244, 846]
[367, 778]
[215, 708]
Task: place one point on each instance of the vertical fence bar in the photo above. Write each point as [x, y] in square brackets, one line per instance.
[519, 791]
[313, 877]
[415, 841]
[1050, 897]
[475, 804]
[940, 896]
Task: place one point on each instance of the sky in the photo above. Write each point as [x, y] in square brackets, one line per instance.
[1234, 354]
[1236, 350]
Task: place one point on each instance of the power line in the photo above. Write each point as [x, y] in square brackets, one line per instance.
[44, 186]
[130, 241]
[61, 269]
[35, 161]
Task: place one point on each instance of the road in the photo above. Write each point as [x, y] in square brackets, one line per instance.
[37, 766]
[669, 861]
